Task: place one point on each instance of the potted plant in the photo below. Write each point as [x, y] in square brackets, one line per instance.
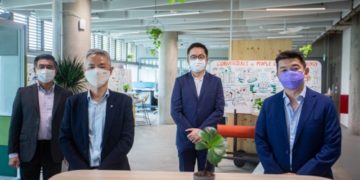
[70, 75]
[130, 56]
[174, 1]
[258, 102]
[126, 87]
[215, 145]
[306, 49]
[154, 34]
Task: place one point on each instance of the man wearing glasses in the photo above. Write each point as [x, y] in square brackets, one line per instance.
[34, 130]
[197, 102]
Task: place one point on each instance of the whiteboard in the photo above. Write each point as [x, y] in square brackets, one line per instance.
[245, 80]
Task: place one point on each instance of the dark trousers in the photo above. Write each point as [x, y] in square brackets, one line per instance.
[188, 157]
[42, 160]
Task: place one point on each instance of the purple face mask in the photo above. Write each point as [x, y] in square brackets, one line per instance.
[291, 79]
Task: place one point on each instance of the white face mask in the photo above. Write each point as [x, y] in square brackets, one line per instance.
[45, 75]
[97, 77]
[197, 65]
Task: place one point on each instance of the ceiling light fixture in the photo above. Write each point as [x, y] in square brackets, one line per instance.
[296, 9]
[176, 14]
[284, 37]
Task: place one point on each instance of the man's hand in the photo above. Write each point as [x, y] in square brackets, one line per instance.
[289, 173]
[14, 162]
[193, 136]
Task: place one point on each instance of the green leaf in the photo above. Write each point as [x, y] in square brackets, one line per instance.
[201, 145]
[70, 75]
[213, 158]
[214, 143]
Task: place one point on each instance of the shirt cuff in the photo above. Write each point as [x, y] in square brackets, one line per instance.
[13, 155]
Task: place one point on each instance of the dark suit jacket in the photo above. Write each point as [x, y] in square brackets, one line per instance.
[190, 111]
[25, 122]
[118, 133]
[317, 142]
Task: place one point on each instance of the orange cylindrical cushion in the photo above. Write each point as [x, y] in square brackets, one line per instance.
[236, 131]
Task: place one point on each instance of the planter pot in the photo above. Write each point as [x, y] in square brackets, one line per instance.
[207, 176]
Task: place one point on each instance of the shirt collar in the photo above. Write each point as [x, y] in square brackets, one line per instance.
[106, 95]
[300, 97]
[51, 90]
[199, 79]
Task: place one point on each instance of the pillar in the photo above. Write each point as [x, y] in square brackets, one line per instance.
[76, 42]
[167, 74]
[57, 9]
[354, 94]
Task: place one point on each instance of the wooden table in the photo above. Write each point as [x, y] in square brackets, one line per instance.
[160, 175]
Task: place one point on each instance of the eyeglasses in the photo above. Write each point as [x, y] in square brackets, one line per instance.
[42, 66]
[201, 57]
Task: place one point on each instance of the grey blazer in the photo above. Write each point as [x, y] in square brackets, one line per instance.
[25, 122]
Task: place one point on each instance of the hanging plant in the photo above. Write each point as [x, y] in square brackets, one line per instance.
[175, 1]
[154, 34]
[306, 49]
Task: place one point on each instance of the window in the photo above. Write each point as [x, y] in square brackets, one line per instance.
[48, 33]
[118, 49]
[112, 48]
[105, 43]
[34, 32]
[19, 18]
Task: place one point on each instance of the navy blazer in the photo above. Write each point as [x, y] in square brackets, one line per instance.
[190, 111]
[118, 135]
[317, 143]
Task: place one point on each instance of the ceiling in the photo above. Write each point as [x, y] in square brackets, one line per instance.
[215, 21]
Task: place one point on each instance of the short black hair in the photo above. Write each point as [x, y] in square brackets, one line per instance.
[289, 54]
[47, 57]
[198, 45]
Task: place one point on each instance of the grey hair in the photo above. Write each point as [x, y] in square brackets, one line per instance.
[98, 51]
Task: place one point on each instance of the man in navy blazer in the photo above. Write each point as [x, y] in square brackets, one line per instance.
[97, 131]
[298, 130]
[197, 102]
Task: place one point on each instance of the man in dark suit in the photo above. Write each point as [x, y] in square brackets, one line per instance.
[34, 130]
[197, 102]
[97, 131]
[298, 129]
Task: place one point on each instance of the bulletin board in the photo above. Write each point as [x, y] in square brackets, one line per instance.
[245, 80]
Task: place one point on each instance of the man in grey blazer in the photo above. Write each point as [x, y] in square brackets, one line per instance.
[36, 116]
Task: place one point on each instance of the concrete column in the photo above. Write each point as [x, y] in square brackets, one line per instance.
[167, 74]
[354, 94]
[76, 42]
[57, 9]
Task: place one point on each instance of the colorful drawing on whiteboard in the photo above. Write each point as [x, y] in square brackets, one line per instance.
[245, 81]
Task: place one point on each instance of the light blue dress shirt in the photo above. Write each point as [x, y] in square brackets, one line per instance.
[292, 118]
[97, 114]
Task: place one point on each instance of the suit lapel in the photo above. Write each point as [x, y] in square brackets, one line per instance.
[306, 110]
[84, 109]
[206, 81]
[192, 85]
[110, 109]
[35, 100]
[281, 116]
[57, 97]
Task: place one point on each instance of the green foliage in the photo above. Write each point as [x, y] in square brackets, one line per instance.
[126, 87]
[214, 143]
[154, 34]
[258, 103]
[130, 56]
[175, 1]
[70, 75]
[306, 49]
